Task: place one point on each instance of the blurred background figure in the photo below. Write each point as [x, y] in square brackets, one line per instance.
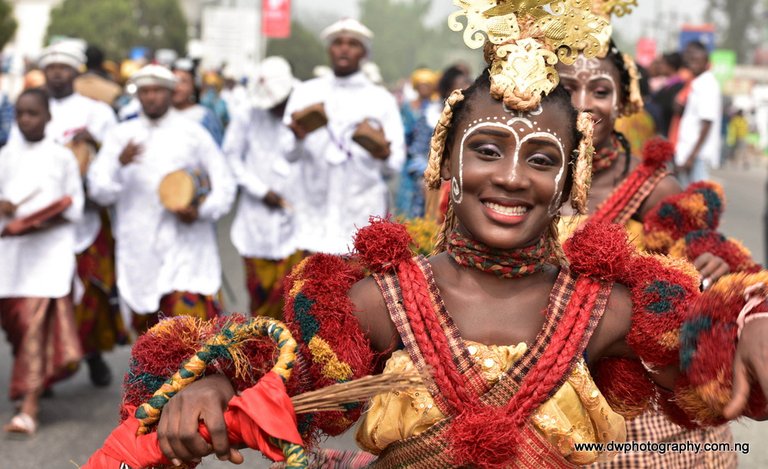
[81, 123]
[96, 83]
[256, 145]
[738, 131]
[36, 281]
[185, 100]
[698, 142]
[350, 141]
[167, 256]
[210, 88]
[419, 119]
[671, 83]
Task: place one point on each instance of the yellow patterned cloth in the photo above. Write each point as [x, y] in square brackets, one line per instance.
[568, 224]
[577, 413]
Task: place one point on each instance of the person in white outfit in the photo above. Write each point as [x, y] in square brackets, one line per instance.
[699, 140]
[81, 123]
[264, 230]
[166, 261]
[343, 182]
[37, 265]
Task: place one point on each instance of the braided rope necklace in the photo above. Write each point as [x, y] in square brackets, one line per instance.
[604, 158]
[504, 263]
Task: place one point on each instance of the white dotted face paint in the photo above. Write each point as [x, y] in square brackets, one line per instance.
[522, 128]
[586, 72]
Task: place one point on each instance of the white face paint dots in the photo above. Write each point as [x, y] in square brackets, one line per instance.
[523, 127]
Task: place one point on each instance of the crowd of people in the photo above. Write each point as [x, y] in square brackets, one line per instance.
[109, 216]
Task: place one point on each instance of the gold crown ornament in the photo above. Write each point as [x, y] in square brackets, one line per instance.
[606, 8]
[524, 40]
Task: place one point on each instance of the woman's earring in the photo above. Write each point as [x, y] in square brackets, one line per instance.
[456, 193]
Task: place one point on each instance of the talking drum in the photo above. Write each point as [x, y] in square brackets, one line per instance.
[184, 188]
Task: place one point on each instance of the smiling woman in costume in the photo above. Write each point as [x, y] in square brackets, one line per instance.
[469, 318]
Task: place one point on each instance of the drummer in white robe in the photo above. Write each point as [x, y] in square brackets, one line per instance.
[344, 183]
[166, 261]
[256, 145]
[81, 123]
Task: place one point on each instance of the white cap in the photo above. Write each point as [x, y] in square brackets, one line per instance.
[65, 52]
[351, 27]
[153, 75]
[271, 83]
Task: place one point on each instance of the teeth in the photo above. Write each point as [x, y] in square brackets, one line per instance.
[504, 210]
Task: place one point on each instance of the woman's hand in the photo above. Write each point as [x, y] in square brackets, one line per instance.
[750, 365]
[202, 401]
[711, 268]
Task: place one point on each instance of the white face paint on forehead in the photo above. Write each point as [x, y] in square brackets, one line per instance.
[587, 70]
[523, 127]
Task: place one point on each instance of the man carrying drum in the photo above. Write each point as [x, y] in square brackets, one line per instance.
[350, 139]
[264, 229]
[80, 123]
[167, 256]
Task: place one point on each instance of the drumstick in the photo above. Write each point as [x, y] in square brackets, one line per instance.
[29, 197]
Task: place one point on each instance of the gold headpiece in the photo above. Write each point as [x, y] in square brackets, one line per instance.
[524, 40]
[606, 8]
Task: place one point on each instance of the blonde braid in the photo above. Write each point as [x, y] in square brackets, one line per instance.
[635, 98]
[437, 145]
[582, 172]
[449, 224]
[555, 248]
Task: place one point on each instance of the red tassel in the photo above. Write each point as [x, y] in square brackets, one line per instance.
[383, 244]
[599, 250]
[484, 437]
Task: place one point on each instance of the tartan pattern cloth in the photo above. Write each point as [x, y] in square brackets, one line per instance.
[430, 449]
[619, 210]
[654, 426]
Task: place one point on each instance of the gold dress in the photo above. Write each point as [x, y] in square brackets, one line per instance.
[576, 413]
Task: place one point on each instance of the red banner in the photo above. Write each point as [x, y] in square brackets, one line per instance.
[276, 18]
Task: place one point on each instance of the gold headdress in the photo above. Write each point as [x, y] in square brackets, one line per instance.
[606, 9]
[523, 40]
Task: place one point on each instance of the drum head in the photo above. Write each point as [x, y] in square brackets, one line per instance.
[177, 190]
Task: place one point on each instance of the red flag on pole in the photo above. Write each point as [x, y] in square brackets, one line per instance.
[276, 18]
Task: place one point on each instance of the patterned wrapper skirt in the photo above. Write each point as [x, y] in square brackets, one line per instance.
[265, 280]
[179, 304]
[43, 339]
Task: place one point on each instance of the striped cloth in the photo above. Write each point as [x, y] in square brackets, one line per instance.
[620, 207]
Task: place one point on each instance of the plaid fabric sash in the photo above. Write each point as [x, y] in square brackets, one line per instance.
[430, 449]
[617, 209]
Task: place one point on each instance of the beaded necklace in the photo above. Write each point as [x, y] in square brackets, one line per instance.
[604, 158]
[504, 263]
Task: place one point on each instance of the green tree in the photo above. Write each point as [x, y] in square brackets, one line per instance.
[742, 24]
[402, 42]
[117, 25]
[7, 23]
[303, 50]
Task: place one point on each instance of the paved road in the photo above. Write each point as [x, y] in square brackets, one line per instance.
[76, 420]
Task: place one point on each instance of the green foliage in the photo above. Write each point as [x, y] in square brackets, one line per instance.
[7, 23]
[402, 42]
[117, 25]
[303, 50]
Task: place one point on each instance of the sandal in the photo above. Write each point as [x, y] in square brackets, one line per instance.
[21, 424]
